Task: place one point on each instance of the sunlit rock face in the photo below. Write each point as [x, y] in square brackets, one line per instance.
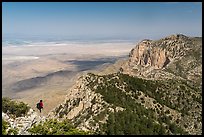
[149, 57]
[146, 54]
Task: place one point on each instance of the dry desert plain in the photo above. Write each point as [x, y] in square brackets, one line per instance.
[43, 71]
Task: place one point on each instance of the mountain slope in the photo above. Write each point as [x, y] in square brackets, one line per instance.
[156, 99]
[157, 91]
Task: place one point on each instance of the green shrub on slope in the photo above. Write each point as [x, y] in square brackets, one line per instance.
[54, 127]
[14, 108]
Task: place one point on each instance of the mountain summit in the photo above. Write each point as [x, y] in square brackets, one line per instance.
[174, 56]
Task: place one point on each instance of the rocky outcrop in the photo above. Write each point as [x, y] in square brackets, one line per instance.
[23, 123]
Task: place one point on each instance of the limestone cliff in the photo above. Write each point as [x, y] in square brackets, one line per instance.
[167, 56]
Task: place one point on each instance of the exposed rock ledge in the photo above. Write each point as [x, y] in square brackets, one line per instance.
[23, 123]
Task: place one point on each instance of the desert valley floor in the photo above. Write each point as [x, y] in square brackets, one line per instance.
[31, 73]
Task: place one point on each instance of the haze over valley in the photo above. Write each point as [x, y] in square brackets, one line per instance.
[45, 71]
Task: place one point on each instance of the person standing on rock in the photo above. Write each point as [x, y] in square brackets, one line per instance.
[40, 105]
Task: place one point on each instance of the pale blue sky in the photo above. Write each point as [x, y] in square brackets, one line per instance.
[102, 19]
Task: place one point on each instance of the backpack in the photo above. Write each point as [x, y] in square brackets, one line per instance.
[38, 106]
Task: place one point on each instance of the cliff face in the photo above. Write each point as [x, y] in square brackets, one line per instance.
[172, 56]
[146, 54]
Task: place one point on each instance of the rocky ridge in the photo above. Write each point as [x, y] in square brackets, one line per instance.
[82, 104]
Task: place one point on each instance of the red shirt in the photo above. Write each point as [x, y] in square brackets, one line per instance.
[41, 104]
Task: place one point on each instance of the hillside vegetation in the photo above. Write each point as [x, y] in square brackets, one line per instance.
[151, 107]
[55, 127]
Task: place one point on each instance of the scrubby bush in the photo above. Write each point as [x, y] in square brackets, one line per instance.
[14, 108]
[55, 127]
[6, 131]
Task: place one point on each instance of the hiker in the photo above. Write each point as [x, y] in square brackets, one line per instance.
[40, 105]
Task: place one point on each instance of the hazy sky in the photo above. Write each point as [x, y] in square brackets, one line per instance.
[102, 19]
